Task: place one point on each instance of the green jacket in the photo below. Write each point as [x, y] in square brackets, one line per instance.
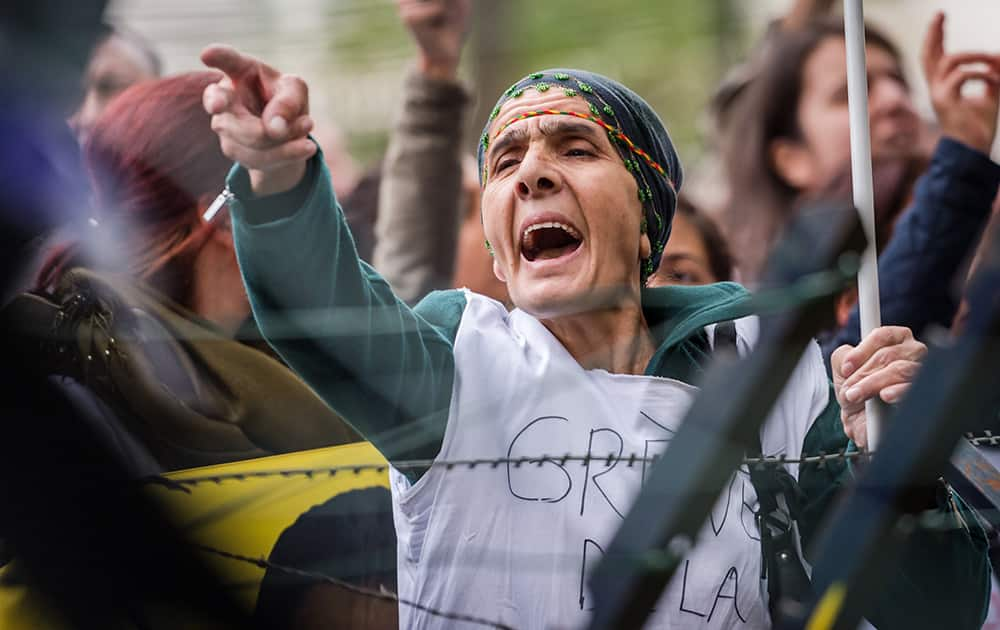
[388, 369]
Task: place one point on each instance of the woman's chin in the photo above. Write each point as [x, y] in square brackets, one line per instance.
[552, 300]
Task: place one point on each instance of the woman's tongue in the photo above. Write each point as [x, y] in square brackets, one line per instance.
[547, 243]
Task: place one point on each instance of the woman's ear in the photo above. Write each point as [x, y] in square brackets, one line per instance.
[219, 226]
[844, 305]
[498, 271]
[793, 163]
[645, 247]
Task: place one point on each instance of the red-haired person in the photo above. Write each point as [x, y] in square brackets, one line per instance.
[145, 322]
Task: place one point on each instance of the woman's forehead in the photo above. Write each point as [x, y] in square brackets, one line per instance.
[534, 101]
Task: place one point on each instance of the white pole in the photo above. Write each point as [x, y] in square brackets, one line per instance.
[864, 197]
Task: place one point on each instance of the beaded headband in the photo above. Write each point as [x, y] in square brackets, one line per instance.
[613, 132]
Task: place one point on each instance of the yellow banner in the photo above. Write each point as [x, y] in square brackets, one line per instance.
[241, 512]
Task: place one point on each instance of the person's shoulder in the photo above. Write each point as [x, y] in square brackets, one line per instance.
[675, 314]
[677, 296]
[443, 309]
[710, 302]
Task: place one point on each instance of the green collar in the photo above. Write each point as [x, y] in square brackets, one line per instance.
[677, 317]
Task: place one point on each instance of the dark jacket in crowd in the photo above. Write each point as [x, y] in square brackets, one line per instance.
[917, 271]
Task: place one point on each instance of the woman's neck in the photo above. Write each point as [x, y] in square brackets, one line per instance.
[218, 294]
[617, 340]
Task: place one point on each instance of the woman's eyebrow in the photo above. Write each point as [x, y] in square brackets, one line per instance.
[681, 257]
[561, 126]
[517, 135]
[549, 126]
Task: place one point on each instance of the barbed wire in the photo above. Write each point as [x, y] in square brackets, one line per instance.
[986, 439]
[609, 461]
[819, 459]
[383, 594]
[907, 523]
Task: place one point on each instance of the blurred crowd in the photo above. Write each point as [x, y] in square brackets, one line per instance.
[150, 327]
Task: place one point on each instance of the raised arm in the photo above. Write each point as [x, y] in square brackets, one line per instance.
[385, 367]
[420, 198]
[952, 201]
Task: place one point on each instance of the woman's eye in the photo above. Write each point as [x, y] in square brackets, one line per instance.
[578, 152]
[680, 277]
[505, 163]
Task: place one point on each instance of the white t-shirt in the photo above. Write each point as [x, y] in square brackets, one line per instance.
[516, 544]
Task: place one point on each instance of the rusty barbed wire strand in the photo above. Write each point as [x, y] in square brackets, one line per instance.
[181, 484]
[819, 459]
[986, 439]
[383, 594]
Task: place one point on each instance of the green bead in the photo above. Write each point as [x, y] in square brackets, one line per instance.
[584, 87]
[495, 112]
[608, 110]
[485, 140]
[517, 93]
[489, 247]
[542, 87]
[570, 92]
[594, 110]
[535, 75]
[562, 76]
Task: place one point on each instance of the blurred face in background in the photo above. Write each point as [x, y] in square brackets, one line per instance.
[823, 147]
[685, 259]
[115, 65]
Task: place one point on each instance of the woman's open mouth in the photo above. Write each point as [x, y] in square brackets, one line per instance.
[549, 240]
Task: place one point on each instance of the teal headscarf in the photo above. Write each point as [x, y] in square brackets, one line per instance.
[633, 127]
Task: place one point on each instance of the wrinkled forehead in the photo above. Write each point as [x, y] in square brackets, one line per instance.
[575, 100]
[546, 108]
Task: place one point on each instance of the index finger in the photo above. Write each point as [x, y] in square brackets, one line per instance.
[933, 48]
[229, 60]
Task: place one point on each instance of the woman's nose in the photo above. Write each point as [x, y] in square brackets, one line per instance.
[537, 177]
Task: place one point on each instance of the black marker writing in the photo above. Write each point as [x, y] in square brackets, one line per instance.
[583, 566]
[614, 462]
[536, 483]
[731, 576]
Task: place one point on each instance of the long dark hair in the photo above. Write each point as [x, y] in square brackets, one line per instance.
[760, 200]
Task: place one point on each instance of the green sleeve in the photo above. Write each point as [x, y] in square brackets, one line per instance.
[942, 577]
[385, 367]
